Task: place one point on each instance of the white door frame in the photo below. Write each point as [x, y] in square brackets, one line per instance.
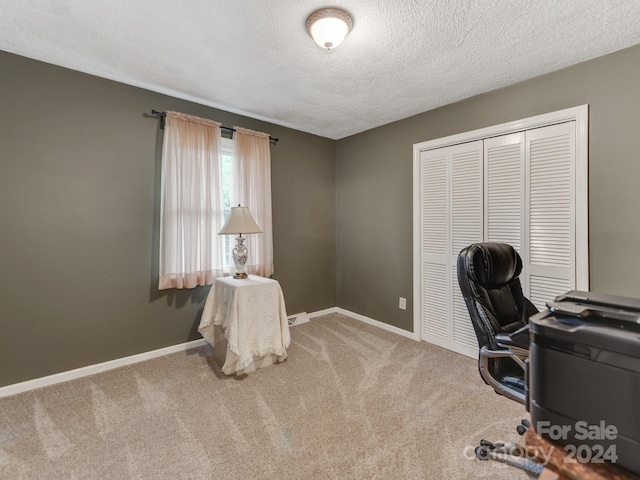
[580, 115]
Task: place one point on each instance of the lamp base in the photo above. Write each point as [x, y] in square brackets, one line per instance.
[240, 257]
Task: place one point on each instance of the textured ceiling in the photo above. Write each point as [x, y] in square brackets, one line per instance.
[254, 57]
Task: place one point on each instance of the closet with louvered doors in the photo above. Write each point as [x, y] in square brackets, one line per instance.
[518, 188]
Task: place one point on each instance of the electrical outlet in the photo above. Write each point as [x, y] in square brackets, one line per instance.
[402, 304]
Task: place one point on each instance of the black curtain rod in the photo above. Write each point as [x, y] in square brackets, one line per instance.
[229, 129]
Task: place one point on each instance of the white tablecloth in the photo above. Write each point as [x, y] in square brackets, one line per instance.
[253, 315]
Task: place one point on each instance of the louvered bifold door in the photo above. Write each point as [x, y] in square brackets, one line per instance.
[505, 192]
[435, 277]
[451, 218]
[550, 166]
[466, 228]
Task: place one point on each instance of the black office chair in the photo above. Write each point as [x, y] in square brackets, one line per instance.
[488, 274]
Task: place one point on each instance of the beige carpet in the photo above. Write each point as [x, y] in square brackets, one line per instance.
[351, 402]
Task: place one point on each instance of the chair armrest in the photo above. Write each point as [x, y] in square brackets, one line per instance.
[485, 352]
[516, 353]
[485, 355]
[519, 338]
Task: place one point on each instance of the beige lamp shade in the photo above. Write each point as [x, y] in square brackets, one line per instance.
[240, 221]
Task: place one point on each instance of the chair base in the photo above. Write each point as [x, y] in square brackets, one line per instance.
[510, 453]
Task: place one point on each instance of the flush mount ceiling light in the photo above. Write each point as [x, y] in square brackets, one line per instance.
[329, 26]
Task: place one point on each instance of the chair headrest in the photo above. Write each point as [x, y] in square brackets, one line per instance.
[493, 264]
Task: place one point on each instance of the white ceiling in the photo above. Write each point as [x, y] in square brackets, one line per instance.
[254, 57]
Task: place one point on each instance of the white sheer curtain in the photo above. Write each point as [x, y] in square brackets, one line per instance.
[253, 190]
[191, 252]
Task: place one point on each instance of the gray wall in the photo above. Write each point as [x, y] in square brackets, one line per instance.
[79, 207]
[79, 173]
[374, 186]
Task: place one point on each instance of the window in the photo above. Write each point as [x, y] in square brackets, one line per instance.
[203, 177]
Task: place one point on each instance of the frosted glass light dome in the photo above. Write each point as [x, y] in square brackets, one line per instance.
[329, 26]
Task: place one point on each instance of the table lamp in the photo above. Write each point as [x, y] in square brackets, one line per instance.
[240, 221]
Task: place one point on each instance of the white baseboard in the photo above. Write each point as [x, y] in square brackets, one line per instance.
[362, 318]
[96, 368]
[326, 311]
[376, 323]
[141, 357]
